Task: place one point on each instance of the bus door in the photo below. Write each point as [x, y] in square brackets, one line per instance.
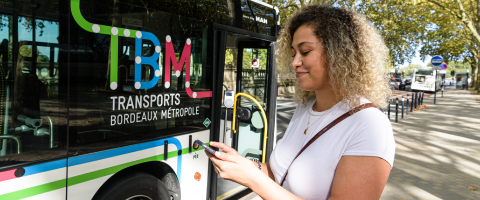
[247, 69]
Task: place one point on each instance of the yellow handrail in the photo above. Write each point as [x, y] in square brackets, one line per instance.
[264, 152]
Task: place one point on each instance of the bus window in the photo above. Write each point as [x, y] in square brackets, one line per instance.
[33, 114]
[425, 72]
[420, 79]
[115, 110]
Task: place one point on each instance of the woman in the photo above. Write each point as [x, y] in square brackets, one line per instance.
[339, 62]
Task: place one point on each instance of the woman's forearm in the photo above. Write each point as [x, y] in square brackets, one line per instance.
[266, 170]
[268, 189]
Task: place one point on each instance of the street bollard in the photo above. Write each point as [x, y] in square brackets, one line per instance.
[419, 94]
[388, 109]
[416, 100]
[403, 100]
[420, 99]
[407, 104]
[413, 100]
[442, 91]
[396, 110]
[423, 94]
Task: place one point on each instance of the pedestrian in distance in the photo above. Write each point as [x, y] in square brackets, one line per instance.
[337, 145]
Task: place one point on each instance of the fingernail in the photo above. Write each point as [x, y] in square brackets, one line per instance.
[217, 154]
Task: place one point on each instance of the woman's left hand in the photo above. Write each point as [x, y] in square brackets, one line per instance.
[230, 165]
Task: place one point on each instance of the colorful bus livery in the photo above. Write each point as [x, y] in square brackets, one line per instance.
[89, 172]
[103, 99]
[115, 32]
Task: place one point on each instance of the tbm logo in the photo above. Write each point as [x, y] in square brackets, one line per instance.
[170, 57]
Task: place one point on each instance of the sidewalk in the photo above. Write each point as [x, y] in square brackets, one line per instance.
[438, 150]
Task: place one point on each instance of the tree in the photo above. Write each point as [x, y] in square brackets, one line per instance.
[447, 28]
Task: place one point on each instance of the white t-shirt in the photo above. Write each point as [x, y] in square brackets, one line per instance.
[365, 133]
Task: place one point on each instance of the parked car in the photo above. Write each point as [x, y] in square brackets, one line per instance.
[397, 84]
[408, 81]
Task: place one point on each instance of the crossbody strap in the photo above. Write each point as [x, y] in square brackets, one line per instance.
[328, 127]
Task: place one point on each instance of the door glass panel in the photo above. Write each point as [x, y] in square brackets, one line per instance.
[255, 62]
[250, 79]
[254, 65]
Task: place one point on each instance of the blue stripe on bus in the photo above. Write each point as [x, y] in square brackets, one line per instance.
[44, 167]
[128, 149]
[120, 151]
[35, 169]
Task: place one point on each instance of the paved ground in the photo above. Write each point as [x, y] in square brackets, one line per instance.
[437, 150]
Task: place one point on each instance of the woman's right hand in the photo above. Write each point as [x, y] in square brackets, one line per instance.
[230, 165]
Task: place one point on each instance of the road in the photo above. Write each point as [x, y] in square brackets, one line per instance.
[285, 110]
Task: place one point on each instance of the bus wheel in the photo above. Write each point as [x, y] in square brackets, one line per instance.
[136, 186]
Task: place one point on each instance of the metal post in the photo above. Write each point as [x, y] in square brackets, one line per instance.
[442, 91]
[413, 100]
[423, 94]
[419, 98]
[403, 104]
[434, 95]
[396, 110]
[388, 109]
[407, 104]
[416, 100]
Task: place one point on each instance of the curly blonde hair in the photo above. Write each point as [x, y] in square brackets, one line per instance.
[357, 56]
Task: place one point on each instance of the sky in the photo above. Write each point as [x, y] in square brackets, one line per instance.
[417, 60]
[50, 35]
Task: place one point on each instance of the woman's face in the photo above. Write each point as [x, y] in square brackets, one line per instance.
[309, 60]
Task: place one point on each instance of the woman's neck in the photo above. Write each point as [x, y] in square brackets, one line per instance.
[326, 99]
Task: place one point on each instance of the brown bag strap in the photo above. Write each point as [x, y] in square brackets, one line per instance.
[328, 127]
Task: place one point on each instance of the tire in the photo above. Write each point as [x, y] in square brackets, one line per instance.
[136, 186]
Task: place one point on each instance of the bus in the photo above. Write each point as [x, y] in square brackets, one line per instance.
[426, 79]
[104, 99]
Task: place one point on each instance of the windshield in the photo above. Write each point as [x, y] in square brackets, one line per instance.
[420, 79]
[425, 72]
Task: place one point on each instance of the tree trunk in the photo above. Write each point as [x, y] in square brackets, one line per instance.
[476, 77]
[475, 74]
[302, 3]
[235, 13]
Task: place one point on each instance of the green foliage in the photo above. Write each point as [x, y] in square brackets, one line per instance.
[409, 69]
[250, 54]
[458, 67]
[446, 28]
[229, 57]
[42, 58]
[26, 51]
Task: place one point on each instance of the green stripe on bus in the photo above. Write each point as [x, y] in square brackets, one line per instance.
[28, 192]
[77, 15]
[112, 170]
[88, 26]
[114, 59]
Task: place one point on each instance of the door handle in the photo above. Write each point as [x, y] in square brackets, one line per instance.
[264, 120]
